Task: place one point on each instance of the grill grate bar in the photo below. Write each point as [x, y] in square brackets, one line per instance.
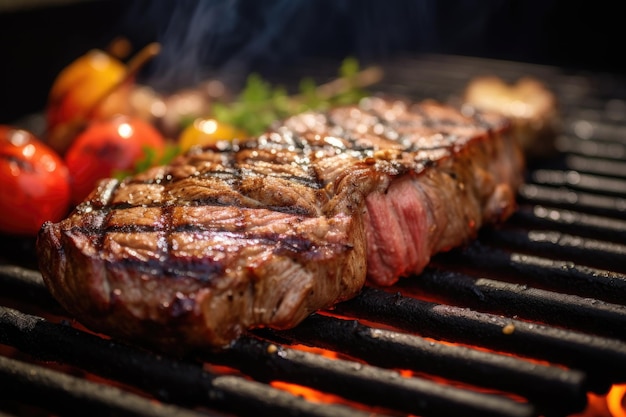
[365, 383]
[586, 129]
[601, 110]
[592, 107]
[550, 243]
[557, 275]
[581, 224]
[576, 180]
[595, 148]
[544, 385]
[517, 300]
[596, 165]
[254, 399]
[167, 379]
[568, 199]
[26, 285]
[67, 394]
[598, 356]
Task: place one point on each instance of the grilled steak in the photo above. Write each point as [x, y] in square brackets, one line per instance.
[263, 232]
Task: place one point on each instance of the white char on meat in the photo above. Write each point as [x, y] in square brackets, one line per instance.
[263, 232]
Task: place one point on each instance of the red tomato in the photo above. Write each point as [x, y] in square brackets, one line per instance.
[35, 183]
[107, 146]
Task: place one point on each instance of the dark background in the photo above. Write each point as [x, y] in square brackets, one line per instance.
[233, 37]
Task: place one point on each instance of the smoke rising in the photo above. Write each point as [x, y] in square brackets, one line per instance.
[230, 38]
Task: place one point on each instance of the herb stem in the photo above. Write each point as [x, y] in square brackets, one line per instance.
[361, 79]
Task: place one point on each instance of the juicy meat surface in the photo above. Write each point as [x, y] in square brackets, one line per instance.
[263, 232]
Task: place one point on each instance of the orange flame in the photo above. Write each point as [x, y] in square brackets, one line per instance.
[331, 354]
[307, 393]
[612, 404]
[616, 400]
[318, 397]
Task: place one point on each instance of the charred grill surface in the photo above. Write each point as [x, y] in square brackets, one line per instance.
[264, 232]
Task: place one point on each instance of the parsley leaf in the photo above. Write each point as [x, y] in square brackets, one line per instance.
[260, 104]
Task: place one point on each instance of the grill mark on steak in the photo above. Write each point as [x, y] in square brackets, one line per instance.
[298, 244]
[201, 271]
[264, 232]
[97, 230]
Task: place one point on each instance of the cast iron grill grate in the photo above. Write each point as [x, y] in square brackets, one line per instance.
[525, 321]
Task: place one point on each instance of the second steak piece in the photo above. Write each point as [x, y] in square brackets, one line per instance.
[264, 232]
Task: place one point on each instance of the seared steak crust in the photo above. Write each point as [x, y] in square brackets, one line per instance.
[265, 231]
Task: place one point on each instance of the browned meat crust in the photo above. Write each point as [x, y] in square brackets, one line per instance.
[264, 232]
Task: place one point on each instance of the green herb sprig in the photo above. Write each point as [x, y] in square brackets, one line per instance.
[260, 104]
[149, 159]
